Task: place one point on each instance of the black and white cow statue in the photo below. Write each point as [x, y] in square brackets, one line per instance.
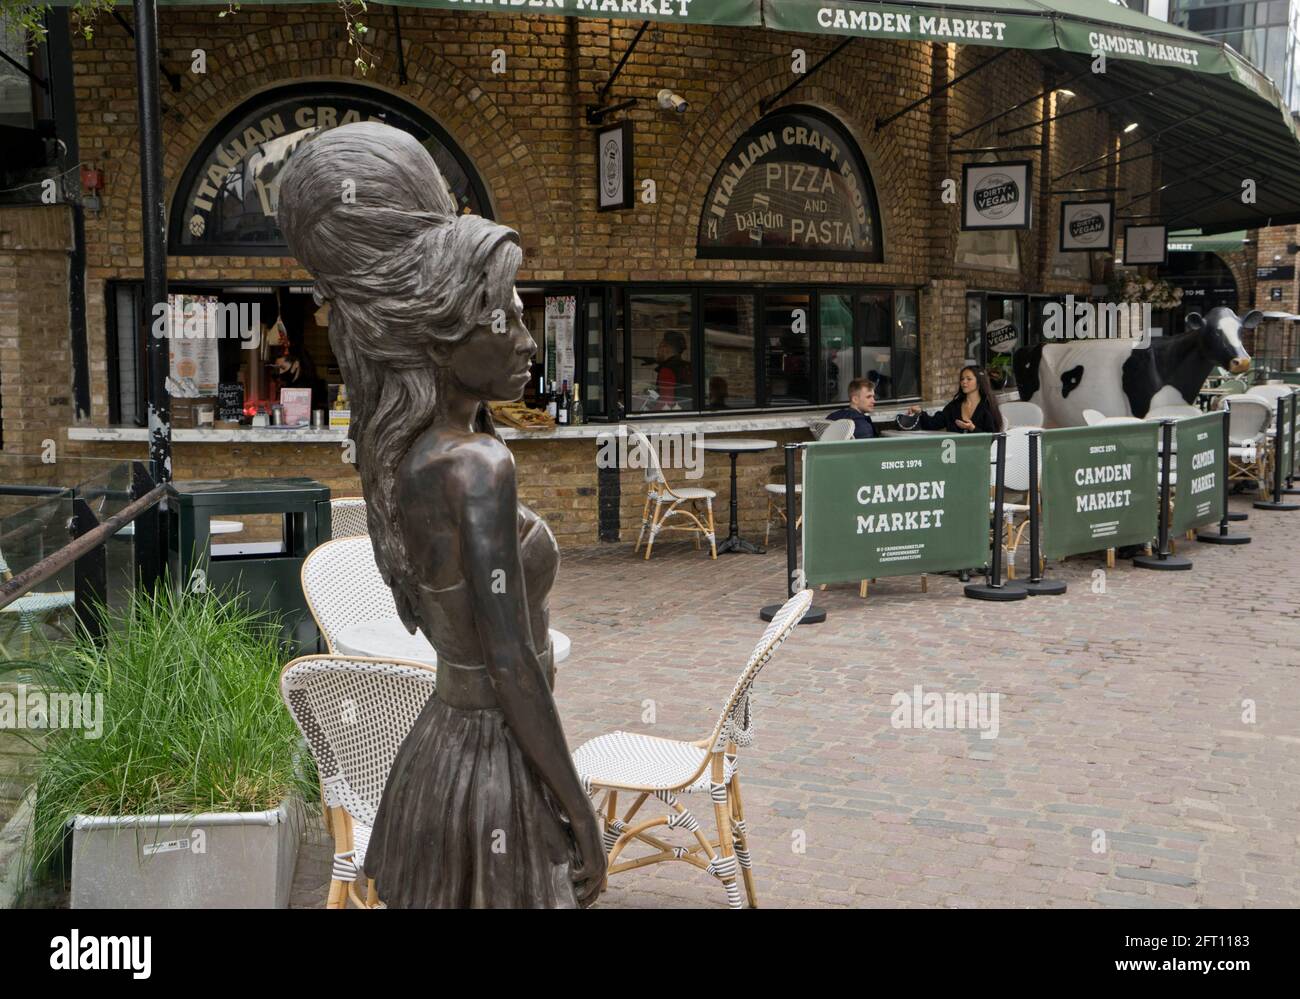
[1127, 377]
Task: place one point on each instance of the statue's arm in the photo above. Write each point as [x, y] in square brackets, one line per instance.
[489, 541]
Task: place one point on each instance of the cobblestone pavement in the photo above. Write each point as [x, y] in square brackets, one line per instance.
[1125, 771]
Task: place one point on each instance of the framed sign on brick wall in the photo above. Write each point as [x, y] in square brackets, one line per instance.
[614, 167]
[997, 195]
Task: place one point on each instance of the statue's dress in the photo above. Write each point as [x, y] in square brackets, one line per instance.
[464, 822]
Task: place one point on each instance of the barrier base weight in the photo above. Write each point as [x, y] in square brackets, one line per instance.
[986, 591]
[1215, 538]
[1238, 517]
[1269, 505]
[815, 615]
[1170, 563]
[1044, 587]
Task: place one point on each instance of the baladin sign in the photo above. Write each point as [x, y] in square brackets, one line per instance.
[1099, 488]
[793, 186]
[894, 506]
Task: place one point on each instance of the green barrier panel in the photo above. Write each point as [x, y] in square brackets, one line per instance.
[895, 507]
[1100, 487]
[1198, 493]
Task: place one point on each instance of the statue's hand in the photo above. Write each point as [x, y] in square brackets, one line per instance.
[589, 873]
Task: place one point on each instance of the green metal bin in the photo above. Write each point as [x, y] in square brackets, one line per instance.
[268, 580]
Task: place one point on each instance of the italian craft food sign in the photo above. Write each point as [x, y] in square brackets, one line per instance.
[1100, 488]
[895, 507]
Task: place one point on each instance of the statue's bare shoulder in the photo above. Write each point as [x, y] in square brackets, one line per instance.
[455, 467]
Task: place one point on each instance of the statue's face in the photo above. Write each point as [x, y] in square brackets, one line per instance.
[493, 363]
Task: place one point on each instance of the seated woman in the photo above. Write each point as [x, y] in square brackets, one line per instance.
[974, 409]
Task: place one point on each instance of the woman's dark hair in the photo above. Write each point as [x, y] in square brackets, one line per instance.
[986, 392]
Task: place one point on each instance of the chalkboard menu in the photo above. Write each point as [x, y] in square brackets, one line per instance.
[230, 402]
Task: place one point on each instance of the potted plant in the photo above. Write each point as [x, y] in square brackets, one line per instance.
[183, 785]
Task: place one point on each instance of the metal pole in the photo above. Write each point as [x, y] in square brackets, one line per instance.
[1037, 585]
[1162, 559]
[994, 588]
[153, 231]
[815, 615]
[791, 515]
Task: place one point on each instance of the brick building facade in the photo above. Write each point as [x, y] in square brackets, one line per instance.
[525, 133]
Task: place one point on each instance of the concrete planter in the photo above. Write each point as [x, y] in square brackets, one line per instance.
[224, 860]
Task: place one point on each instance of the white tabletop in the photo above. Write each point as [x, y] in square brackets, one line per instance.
[915, 433]
[387, 638]
[224, 527]
[737, 444]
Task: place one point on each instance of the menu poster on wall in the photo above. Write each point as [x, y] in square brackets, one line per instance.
[192, 346]
[1086, 226]
[997, 195]
[1145, 244]
[614, 167]
[561, 312]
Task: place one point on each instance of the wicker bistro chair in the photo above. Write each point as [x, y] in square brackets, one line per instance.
[823, 430]
[348, 517]
[1248, 451]
[343, 586]
[698, 523]
[646, 766]
[354, 714]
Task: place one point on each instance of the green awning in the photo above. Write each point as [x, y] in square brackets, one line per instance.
[1157, 74]
[1198, 242]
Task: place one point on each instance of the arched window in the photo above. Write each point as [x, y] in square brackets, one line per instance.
[226, 201]
[794, 187]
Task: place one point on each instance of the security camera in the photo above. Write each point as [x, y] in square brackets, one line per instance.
[671, 102]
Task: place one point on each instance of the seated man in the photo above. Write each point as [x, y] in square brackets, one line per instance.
[862, 401]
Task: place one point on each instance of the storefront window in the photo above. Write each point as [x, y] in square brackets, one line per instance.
[663, 378]
[835, 313]
[874, 356]
[1004, 331]
[593, 389]
[787, 337]
[729, 341]
[15, 86]
[974, 329]
[907, 347]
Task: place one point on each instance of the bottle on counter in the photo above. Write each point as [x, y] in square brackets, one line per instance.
[552, 404]
[576, 415]
[563, 412]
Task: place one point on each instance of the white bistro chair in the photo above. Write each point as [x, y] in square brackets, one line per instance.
[343, 586]
[1248, 450]
[823, 430]
[348, 517]
[1091, 417]
[696, 522]
[645, 766]
[1021, 414]
[1015, 480]
[354, 714]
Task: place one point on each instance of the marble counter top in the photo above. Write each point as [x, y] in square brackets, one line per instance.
[706, 424]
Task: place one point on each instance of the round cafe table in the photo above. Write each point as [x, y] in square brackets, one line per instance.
[387, 638]
[734, 446]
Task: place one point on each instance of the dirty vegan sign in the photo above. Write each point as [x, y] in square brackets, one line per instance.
[794, 186]
[996, 195]
[1087, 225]
[228, 196]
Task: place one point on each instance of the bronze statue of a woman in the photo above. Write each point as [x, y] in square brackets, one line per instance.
[483, 807]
